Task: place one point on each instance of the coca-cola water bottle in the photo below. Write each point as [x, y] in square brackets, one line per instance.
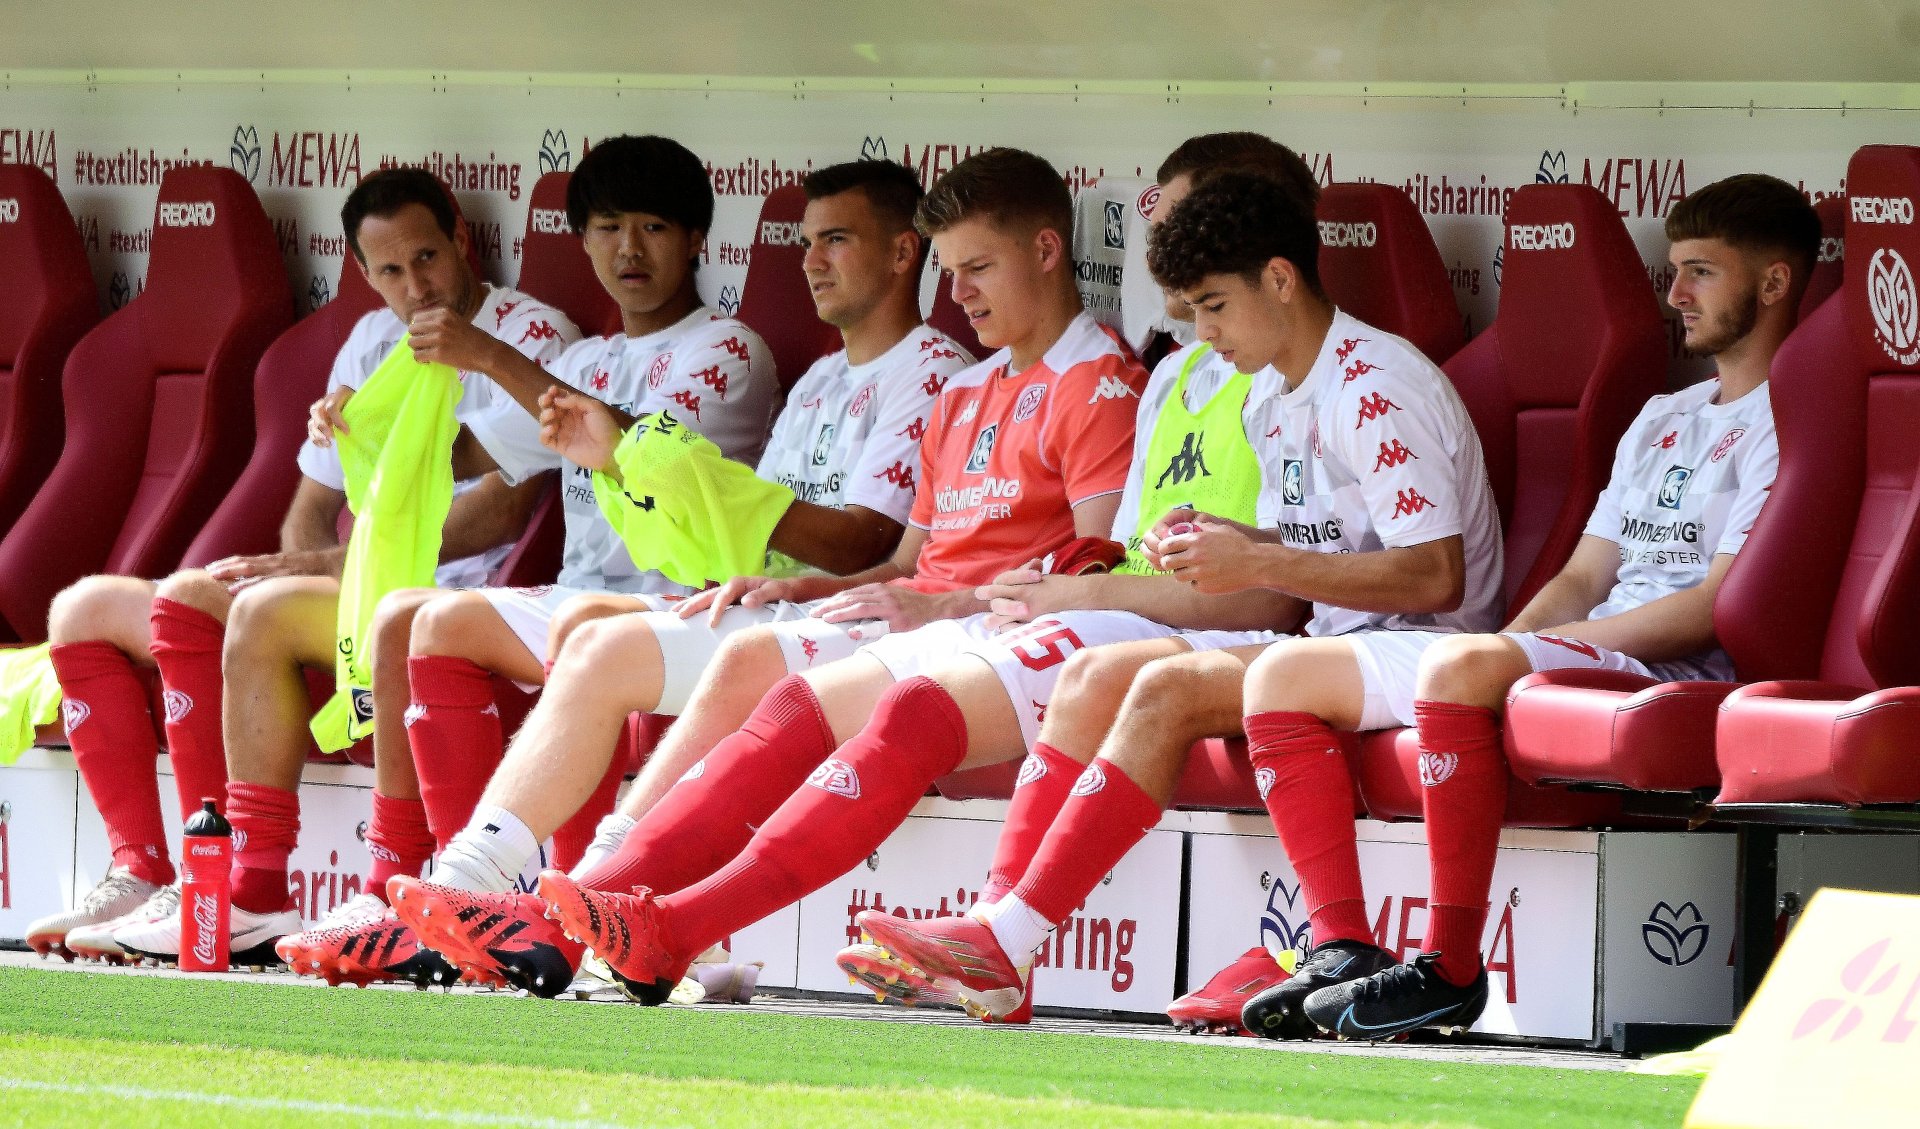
[205, 896]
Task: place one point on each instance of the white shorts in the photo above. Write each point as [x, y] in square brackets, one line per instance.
[1028, 659]
[528, 612]
[1390, 666]
[687, 646]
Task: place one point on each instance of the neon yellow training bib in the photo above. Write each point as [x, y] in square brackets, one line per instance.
[1198, 459]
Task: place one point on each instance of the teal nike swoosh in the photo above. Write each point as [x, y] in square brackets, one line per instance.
[1348, 1021]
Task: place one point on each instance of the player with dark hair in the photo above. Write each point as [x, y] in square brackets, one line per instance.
[110, 631]
[1689, 478]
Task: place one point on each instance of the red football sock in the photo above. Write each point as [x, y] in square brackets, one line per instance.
[1103, 817]
[399, 841]
[266, 825]
[709, 816]
[572, 838]
[1309, 793]
[186, 645]
[1046, 777]
[110, 729]
[1463, 803]
[848, 807]
[453, 728]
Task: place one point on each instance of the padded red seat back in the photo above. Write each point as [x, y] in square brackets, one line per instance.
[47, 304]
[1830, 267]
[1882, 305]
[291, 376]
[554, 266]
[161, 396]
[947, 316]
[1575, 348]
[775, 300]
[1378, 262]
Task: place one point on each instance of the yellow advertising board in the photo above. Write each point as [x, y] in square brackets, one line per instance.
[1833, 1036]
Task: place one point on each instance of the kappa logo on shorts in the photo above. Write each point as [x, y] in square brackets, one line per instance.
[1674, 487]
[982, 450]
[178, 705]
[1090, 781]
[838, 777]
[810, 649]
[1436, 768]
[1029, 402]
[74, 714]
[1031, 769]
[414, 713]
[1263, 781]
[698, 770]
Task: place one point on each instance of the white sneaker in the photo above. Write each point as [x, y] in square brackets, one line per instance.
[251, 945]
[95, 942]
[115, 894]
[357, 910]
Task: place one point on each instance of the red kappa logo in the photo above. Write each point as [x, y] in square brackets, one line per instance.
[1667, 442]
[899, 474]
[915, 430]
[1347, 346]
[1372, 408]
[502, 310]
[836, 776]
[1358, 369]
[933, 384]
[600, 380]
[1392, 455]
[713, 378]
[1410, 502]
[736, 347]
[688, 401]
[539, 331]
[810, 649]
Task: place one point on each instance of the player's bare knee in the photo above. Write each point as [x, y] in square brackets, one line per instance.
[256, 628]
[197, 589]
[96, 607]
[1097, 679]
[392, 628]
[571, 617]
[1470, 670]
[1182, 695]
[447, 623]
[601, 643]
[750, 654]
[1278, 679]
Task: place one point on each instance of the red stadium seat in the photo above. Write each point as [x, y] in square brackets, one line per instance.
[161, 421]
[291, 376]
[775, 300]
[1831, 265]
[1771, 613]
[554, 266]
[49, 305]
[1851, 738]
[1378, 262]
[947, 317]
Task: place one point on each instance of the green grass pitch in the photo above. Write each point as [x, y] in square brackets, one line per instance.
[139, 1050]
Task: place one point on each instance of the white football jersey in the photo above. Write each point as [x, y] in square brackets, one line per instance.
[1689, 477]
[508, 433]
[713, 373]
[1374, 450]
[850, 434]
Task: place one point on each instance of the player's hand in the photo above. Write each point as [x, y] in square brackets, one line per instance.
[324, 418]
[240, 572]
[1211, 554]
[1022, 595]
[746, 591]
[902, 608]
[578, 428]
[441, 336]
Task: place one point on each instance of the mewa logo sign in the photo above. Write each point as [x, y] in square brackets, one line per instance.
[299, 159]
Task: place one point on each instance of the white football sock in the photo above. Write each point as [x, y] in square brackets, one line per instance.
[488, 855]
[1017, 926]
[606, 839]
